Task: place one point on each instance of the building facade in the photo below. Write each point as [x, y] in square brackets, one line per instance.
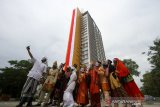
[85, 43]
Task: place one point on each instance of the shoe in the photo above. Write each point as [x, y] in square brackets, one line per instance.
[22, 101]
[29, 105]
[19, 106]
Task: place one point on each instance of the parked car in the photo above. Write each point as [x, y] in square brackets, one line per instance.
[149, 98]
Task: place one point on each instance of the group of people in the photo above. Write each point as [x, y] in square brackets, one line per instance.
[100, 81]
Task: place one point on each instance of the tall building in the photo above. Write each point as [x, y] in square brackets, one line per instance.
[85, 41]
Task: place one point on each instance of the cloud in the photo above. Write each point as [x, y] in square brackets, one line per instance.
[128, 28]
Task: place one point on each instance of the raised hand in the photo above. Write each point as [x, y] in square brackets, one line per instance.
[28, 47]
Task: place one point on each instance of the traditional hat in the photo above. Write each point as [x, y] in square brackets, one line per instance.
[44, 58]
[55, 63]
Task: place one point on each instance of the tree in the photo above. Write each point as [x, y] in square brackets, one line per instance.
[13, 78]
[151, 84]
[154, 55]
[132, 66]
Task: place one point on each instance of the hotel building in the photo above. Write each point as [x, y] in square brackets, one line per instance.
[85, 40]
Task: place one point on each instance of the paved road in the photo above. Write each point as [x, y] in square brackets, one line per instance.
[14, 103]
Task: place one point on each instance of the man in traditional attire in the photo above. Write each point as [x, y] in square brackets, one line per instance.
[68, 93]
[82, 94]
[34, 76]
[94, 86]
[103, 73]
[48, 85]
[61, 84]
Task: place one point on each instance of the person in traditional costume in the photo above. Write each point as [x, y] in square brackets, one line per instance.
[61, 84]
[68, 93]
[117, 91]
[127, 81]
[34, 76]
[103, 73]
[82, 94]
[48, 85]
[94, 86]
[52, 95]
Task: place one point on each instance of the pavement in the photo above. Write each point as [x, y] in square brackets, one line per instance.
[14, 103]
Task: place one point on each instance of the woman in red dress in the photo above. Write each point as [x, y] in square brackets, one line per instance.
[127, 80]
[82, 97]
[94, 86]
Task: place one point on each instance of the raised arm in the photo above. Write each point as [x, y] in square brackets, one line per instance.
[29, 52]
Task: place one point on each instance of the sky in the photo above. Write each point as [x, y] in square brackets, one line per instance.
[128, 28]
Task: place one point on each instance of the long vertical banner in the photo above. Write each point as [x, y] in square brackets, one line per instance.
[68, 54]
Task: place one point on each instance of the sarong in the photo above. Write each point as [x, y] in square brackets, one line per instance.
[29, 88]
